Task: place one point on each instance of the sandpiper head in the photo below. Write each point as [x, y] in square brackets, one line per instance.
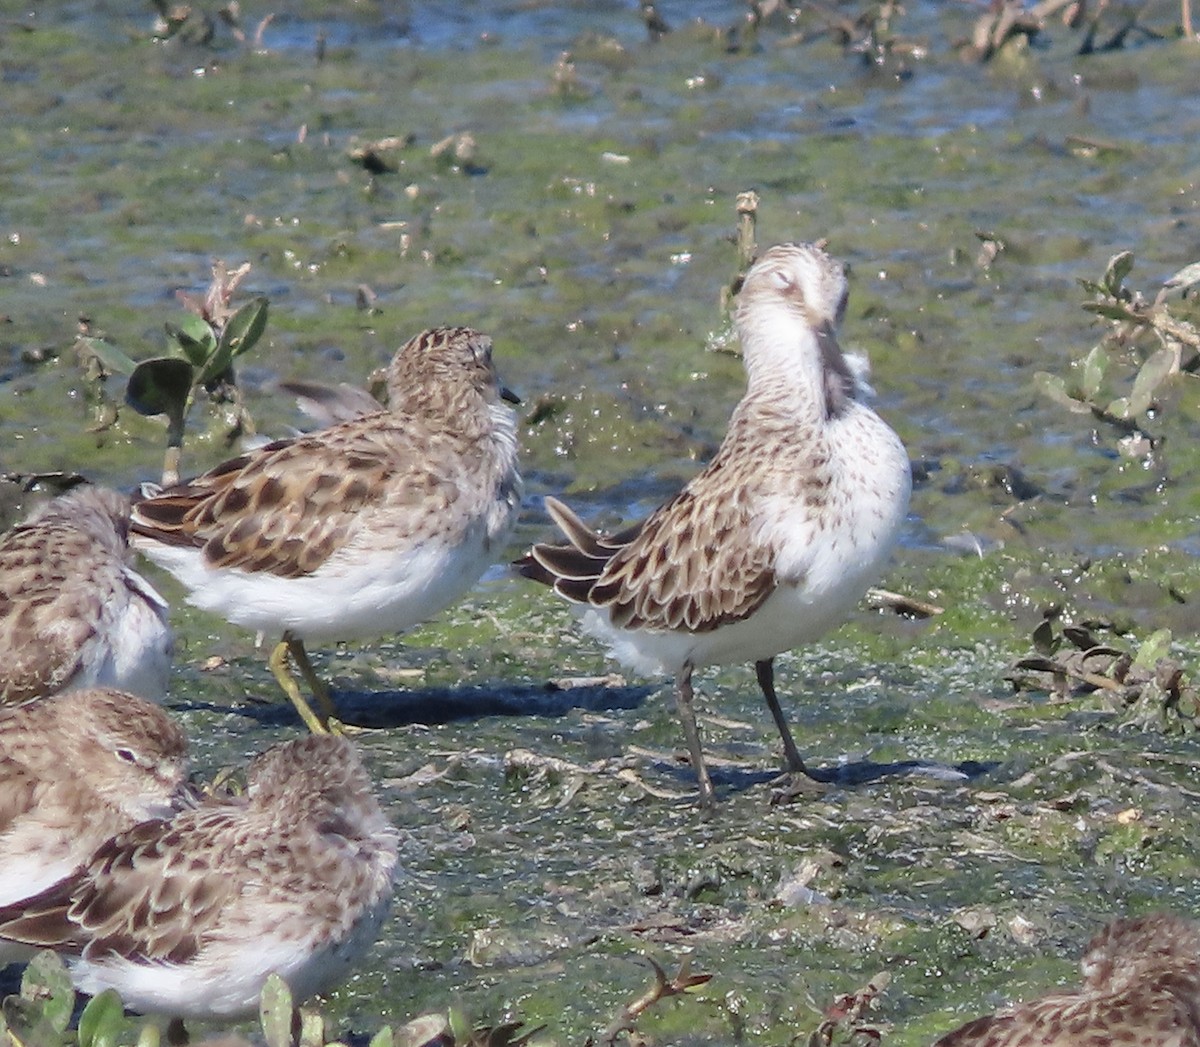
[99, 512]
[321, 780]
[438, 366]
[800, 278]
[1125, 950]
[134, 754]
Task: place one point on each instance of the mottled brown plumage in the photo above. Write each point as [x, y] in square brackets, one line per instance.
[778, 535]
[287, 507]
[187, 917]
[73, 611]
[359, 530]
[1141, 989]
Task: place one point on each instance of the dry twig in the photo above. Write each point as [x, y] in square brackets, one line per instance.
[626, 1021]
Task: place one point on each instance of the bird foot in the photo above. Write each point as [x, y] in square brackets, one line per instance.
[795, 785]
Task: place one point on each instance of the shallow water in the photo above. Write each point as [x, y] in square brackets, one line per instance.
[591, 238]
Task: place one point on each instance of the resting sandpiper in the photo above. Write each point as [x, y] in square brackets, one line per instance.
[75, 769]
[188, 917]
[73, 612]
[359, 530]
[1141, 986]
[773, 542]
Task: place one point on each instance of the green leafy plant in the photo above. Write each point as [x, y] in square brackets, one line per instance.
[41, 1011]
[205, 345]
[1153, 332]
[41, 1014]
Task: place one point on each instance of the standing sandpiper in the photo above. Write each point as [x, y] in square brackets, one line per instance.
[360, 530]
[783, 531]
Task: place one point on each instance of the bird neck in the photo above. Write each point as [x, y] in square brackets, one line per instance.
[796, 366]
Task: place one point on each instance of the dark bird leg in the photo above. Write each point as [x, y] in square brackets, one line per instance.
[691, 733]
[765, 670]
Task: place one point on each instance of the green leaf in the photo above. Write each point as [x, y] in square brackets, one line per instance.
[1115, 272]
[312, 1029]
[276, 1012]
[460, 1025]
[25, 1025]
[383, 1038]
[47, 984]
[1154, 372]
[101, 1021]
[160, 386]
[245, 327]
[195, 337]
[1094, 366]
[1055, 387]
[1118, 408]
[115, 361]
[149, 1036]
[1154, 648]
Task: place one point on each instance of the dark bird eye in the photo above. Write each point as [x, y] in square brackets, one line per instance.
[128, 755]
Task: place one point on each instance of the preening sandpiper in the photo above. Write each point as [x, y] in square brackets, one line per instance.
[773, 542]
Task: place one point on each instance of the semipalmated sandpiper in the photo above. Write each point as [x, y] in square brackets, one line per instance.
[188, 917]
[359, 530]
[779, 535]
[73, 612]
[75, 769]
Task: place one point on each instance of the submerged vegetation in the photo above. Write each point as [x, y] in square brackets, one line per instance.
[569, 181]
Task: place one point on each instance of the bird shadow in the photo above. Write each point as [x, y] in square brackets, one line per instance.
[379, 710]
[728, 780]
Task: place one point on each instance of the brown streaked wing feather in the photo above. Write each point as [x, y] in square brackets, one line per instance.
[591, 543]
[582, 537]
[1086, 1019]
[43, 921]
[286, 508]
[41, 664]
[144, 895]
[17, 796]
[681, 572]
[154, 891]
[568, 563]
[41, 635]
